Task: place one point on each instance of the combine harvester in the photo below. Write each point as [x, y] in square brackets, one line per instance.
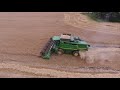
[66, 43]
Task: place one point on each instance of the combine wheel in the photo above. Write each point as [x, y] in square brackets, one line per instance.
[76, 53]
[60, 51]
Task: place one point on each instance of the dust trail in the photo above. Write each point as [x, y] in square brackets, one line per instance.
[100, 55]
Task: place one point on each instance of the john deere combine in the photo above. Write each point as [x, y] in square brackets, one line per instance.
[66, 43]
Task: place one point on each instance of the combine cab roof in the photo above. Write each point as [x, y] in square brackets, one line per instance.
[65, 36]
[62, 36]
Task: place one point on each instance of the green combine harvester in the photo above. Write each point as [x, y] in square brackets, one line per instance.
[65, 43]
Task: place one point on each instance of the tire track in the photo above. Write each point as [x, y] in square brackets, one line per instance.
[73, 20]
[55, 73]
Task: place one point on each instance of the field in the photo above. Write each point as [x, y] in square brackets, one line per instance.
[24, 34]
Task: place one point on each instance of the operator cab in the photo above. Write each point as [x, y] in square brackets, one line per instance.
[65, 36]
[69, 38]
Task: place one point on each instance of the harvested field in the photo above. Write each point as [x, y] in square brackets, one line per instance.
[23, 35]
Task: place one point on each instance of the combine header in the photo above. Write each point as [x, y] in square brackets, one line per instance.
[66, 43]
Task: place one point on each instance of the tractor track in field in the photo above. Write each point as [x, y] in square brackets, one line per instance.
[53, 72]
[22, 54]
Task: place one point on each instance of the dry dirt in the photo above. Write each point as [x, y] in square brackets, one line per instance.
[23, 35]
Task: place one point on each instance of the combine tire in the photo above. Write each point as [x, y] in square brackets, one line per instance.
[60, 52]
[76, 53]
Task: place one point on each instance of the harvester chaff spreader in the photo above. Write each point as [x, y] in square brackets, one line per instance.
[65, 43]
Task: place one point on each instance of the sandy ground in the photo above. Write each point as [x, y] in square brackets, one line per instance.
[23, 35]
